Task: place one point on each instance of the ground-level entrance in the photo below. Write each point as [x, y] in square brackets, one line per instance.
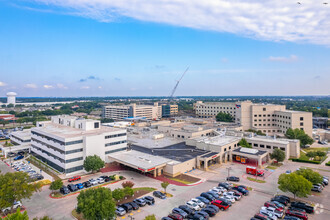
[249, 156]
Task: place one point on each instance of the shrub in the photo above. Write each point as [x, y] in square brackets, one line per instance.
[129, 184]
[121, 177]
[306, 161]
[112, 177]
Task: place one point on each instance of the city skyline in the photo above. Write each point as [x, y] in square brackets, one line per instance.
[111, 48]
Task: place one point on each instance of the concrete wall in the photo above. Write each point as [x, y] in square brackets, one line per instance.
[177, 169]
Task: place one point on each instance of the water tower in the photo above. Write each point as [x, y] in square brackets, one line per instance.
[11, 98]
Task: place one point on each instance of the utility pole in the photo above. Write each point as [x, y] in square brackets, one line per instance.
[229, 169]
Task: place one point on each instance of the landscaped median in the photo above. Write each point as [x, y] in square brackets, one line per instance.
[255, 180]
[58, 195]
[328, 164]
[312, 155]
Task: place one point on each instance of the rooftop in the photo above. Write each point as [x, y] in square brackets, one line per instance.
[270, 139]
[218, 140]
[250, 151]
[25, 134]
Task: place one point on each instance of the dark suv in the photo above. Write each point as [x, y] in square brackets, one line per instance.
[304, 206]
[64, 190]
[72, 187]
[128, 208]
[149, 200]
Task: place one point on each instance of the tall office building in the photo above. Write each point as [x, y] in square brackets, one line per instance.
[65, 141]
[268, 118]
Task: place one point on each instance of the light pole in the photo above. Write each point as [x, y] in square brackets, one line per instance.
[229, 169]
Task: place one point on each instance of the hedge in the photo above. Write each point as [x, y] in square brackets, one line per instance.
[306, 161]
[328, 164]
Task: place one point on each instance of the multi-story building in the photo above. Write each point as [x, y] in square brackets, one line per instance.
[65, 141]
[21, 137]
[119, 112]
[268, 118]
[169, 110]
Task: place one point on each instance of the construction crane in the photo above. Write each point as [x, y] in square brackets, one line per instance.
[177, 83]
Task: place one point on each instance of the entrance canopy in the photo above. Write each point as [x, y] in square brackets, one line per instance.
[244, 153]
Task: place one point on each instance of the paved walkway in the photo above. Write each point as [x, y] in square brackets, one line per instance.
[326, 160]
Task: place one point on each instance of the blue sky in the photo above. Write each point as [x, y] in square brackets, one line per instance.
[50, 48]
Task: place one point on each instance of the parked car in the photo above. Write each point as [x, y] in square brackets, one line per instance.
[284, 197]
[19, 157]
[241, 190]
[296, 209]
[196, 217]
[300, 215]
[203, 199]
[268, 214]
[128, 208]
[159, 194]
[140, 202]
[214, 194]
[233, 194]
[93, 182]
[278, 214]
[278, 204]
[166, 218]
[87, 184]
[301, 205]
[216, 190]
[225, 185]
[149, 200]
[215, 208]
[281, 200]
[199, 202]
[209, 211]
[106, 178]
[79, 185]
[180, 212]
[233, 178]
[221, 189]
[229, 198]
[193, 205]
[75, 178]
[72, 188]
[120, 211]
[204, 214]
[220, 204]
[64, 190]
[175, 216]
[226, 201]
[288, 172]
[261, 216]
[317, 188]
[207, 196]
[16, 205]
[288, 217]
[273, 205]
[134, 205]
[186, 209]
[100, 180]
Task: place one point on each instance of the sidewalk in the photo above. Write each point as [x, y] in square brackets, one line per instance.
[326, 160]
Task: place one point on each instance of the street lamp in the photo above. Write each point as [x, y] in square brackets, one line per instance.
[229, 169]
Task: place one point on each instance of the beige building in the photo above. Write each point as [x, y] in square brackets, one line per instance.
[119, 112]
[268, 118]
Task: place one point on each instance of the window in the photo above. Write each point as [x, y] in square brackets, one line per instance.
[282, 148]
[229, 147]
[116, 150]
[255, 145]
[73, 169]
[74, 160]
[269, 147]
[225, 149]
[262, 146]
[96, 125]
[255, 115]
[264, 109]
[115, 143]
[115, 135]
[255, 124]
[74, 151]
[301, 123]
[301, 118]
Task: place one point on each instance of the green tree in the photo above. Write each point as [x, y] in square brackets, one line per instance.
[243, 143]
[295, 184]
[118, 194]
[165, 185]
[17, 216]
[43, 218]
[128, 191]
[310, 175]
[96, 204]
[56, 185]
[300, 135]
[93, 163]
[224, 117]
[15, 187]
[150, 217]
[278, 155]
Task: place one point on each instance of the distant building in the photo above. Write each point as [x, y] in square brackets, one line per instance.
[65, 141]
[119, 112]
[268, 118]
[7, 117]
[11, 98]
[320, 122]
[21, 137]
[169, 110]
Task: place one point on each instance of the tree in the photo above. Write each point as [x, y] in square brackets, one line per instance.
[295, 184]
[224, 117]
[43, 218]
[278, 155]
[118, 194]
[150, 217]
[96, 204]
[56, 185]
[128, 191]
[15, 187]
[300, 135]
[129, 184]
[164, 185]
[93, 163]
[310, 175]
[243, 143]
[17, 216]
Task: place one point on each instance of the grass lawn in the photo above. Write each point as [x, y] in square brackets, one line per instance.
[182, 181]
[149, 189]
[76, 215]
[316, 149]
[272, 167]
[256, 180]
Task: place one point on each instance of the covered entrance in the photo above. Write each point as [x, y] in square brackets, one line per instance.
[207, 160]
[250, 156]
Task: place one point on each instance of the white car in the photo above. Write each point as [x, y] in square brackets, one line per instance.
[268, 214]
[232, 194]
[229, 198]
[193, 206]
[15, 206]
[222, 189]
[93, 182]
[199, 202]
[120, 211]
[272, 210]
[215, 191]
[100, 180]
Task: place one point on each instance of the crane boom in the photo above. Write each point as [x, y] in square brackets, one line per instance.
[177, 83]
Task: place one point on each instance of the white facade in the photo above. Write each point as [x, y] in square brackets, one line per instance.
[65, 141]
[21, 137]
[11, 98]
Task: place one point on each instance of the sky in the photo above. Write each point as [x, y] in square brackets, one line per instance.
[70, 48]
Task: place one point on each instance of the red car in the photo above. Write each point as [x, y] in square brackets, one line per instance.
[175, 216]
[273, 205]
[75, 178]
[220, 204]
[301, 215]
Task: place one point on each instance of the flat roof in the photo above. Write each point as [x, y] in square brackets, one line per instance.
[250, 151]
[218, 140]
[139, 159]
[70, 132]
[271, 139]
[177, 152]
[25, 134]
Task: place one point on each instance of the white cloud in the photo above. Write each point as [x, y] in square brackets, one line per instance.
[292, 58]
[267, 20]
[61, 86]
[30, 86]
[2, 84]
[85, 87]
[99, 87]
[48, 86]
